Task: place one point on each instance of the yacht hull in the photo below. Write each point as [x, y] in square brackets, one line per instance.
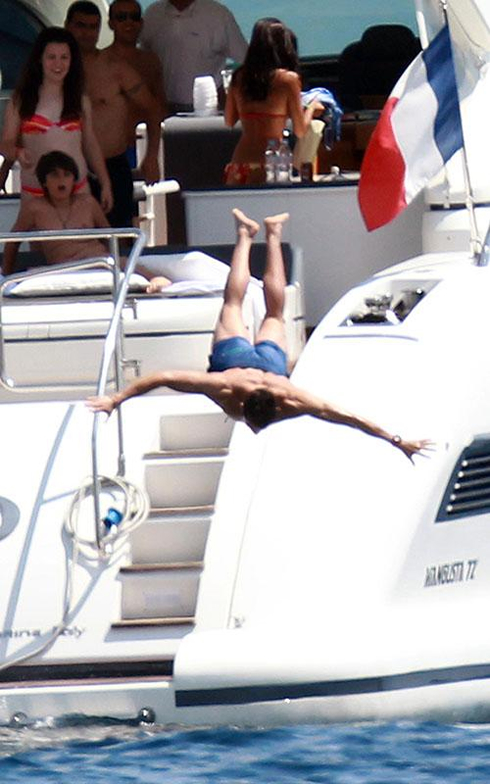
[307, 574]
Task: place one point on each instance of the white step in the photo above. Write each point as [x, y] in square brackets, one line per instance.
[204, 430]
[179, 482]
[155, 623]
[170, 538]
[160, 592]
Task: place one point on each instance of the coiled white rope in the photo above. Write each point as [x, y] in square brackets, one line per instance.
[135, 510]
[132, 503]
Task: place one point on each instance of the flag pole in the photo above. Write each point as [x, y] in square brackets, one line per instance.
[475, 241]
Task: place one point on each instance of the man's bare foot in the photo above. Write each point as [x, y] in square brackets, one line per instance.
[273, 224]
[243, 222]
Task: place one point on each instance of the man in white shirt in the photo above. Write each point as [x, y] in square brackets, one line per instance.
[191, 38]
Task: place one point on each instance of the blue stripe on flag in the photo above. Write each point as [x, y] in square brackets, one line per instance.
[448, 133]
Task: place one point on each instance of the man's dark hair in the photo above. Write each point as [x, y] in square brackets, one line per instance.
[51, 161]
[82, 7]
[115, 2]
[259, 409]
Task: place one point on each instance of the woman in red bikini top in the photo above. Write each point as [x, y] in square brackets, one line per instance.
[264, 92]
[48, 111]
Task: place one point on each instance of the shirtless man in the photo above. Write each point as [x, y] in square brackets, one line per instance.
[113, 88]
[126, 22]
[247, 384]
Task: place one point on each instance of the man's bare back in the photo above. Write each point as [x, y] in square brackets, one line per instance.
[232, 390]
[243, 391]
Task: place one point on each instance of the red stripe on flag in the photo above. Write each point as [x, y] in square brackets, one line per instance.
[382, 183]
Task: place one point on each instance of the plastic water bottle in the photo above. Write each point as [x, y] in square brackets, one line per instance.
[284, 160]
[271, 161]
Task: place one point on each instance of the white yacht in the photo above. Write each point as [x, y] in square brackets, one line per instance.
[117, 597]
[166, 566]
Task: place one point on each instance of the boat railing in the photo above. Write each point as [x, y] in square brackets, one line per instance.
[112, 350]
[483, 258]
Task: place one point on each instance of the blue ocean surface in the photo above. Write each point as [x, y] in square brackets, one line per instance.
[322, 26]
[405, 753]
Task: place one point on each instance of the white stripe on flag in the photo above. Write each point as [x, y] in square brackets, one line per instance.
[412, 122]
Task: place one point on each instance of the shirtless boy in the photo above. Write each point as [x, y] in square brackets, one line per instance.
[61, 208]
[115, 89]
[250, 382]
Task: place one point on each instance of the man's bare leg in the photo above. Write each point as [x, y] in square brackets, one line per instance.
[230, 323]
[274, 283]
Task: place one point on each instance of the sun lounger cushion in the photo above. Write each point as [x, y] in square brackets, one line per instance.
[71, 283]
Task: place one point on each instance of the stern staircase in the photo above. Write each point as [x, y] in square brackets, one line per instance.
[160, 585]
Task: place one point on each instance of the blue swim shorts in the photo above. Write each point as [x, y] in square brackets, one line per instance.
[238, 352]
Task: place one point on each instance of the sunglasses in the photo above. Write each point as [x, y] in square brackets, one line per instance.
[125, 16]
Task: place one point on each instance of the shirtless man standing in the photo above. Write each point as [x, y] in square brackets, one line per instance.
[114, 88]
[248, 381]
[126, 22]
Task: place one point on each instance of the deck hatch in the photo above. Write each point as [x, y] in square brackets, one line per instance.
[468, 490]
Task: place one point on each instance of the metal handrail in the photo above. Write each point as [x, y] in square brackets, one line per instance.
[111, 352]
[111, 262]
[112, 343]
[484, 255]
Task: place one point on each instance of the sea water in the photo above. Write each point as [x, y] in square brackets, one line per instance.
[322, 26]
[405, 753]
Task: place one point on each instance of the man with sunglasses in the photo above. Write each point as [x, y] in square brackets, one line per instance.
[115, 90]
[126, 22]
[191, 38]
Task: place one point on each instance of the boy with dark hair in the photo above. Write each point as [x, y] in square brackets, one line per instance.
[56, 159]
[59, 208]
[62, 208]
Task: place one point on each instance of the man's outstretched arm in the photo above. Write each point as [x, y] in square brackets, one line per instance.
[321, 409]
[178, 380]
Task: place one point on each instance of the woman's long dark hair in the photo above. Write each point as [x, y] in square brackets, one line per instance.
[272, 46]
[26, 93]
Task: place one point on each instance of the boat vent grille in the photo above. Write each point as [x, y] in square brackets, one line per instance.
[468, 490]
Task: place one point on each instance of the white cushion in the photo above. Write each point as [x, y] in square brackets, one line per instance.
[79, 282]
[189, 288]
[194, 265]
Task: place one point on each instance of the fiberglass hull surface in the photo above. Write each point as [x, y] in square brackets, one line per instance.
[355, 596]
[330, 590]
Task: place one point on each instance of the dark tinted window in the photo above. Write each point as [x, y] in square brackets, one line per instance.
[18, 30]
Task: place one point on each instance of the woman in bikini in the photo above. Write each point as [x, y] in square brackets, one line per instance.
[48, 111]
[264, 93]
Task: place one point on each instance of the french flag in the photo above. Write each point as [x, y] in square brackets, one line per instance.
[418, 131]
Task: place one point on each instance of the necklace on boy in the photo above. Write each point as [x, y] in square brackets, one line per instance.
[64, 220]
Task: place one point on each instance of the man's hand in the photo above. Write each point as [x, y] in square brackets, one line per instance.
[106, 198]
[149, 169]
[102, 403]
[156, 284]
[411, 448]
